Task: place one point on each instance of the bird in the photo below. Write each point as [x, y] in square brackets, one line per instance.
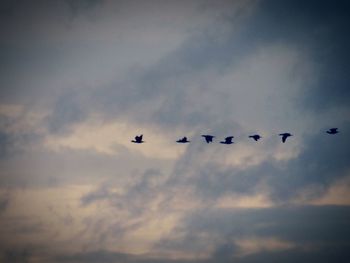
[228, 140]
[183, 140]
[138, 139]
[285, 136]
[208, 138]
[333, 131]
[256, 137]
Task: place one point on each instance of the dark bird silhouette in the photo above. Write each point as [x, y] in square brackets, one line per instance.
[208, 138]
[138, 139]
[333, 131]
[228, 140]
[285, 136]
[183, 140]
[256, 137]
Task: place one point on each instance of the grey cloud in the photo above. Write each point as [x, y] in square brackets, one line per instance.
[95, 256]
[16, 144]
[82, 6]
[321, 29]
[67, 111]
[16, 256]
[323, 229]
[137, 194]
[4, 202]
[320, 234]
[166, 89]
[126, 97]
[42, 167]
[303, 29]
[64, 73]
[321, 162]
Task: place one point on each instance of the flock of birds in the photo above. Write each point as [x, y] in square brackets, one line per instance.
[229, 139]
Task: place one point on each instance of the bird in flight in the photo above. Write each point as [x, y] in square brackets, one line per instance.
[228, 140]
[138, 139]
[208, 138]
[285, 136]
[333, 131]
[256, 137]
[183, 140]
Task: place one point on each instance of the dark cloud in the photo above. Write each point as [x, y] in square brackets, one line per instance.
[321, 29]
[81, 6]
[315, 231]
[319, 233]
[95, 256]
[317, 29]
[4, 202]
[16, 256]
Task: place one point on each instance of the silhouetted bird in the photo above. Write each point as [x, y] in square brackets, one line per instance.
[208, 138]
[138, 139]
[183, 140]
[256, 137]
[332, 131]
[228, 140]
[285, 136]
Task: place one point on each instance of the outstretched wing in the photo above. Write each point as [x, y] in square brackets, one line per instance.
[139, 138]
[208, 138]
[256, 137]
[284, 138]
[228, 139]
[184, 139]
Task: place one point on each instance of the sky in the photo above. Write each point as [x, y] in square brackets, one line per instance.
[80, 78]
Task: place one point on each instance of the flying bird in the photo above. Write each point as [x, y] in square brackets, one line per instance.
[208, 138]
[183, 140]
[285, 136]
[228, 140]
[256, 137]
[138, 139]
[333, 131]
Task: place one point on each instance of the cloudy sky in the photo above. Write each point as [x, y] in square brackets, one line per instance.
[80, 78]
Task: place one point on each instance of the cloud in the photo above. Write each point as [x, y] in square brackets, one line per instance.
[311, 228]
[16, 256]
[320, 163]
[318, 28]
[81, 78]
[4, 202]
[67, 111]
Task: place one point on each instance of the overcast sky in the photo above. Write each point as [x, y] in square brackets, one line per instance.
[80, 78]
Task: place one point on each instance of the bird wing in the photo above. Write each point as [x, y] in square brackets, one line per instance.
[209, 138]
[284, 137]
[229, 139]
